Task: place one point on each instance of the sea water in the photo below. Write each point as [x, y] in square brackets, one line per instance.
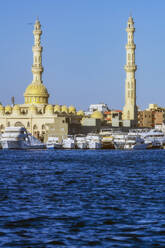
[82, 198]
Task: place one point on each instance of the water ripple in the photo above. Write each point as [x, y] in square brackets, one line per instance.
[82, 199]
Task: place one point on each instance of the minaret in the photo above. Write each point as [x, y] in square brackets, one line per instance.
[130, 108]
[37, 68]
[36, 92]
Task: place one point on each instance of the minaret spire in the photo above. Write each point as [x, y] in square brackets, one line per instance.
[37, 68]
[130, 108]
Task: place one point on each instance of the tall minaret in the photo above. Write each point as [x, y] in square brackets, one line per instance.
[130, 108]
[37, 68]
[36, 92]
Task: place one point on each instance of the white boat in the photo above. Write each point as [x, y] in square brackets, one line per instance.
[152, 138]
[18, 138]
[156, 137]
[68, 143]
[53, 143]
[93, 141]
[119, 140]
[81, 142]
[129, 141]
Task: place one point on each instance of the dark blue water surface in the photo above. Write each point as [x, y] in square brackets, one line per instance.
[82, 199]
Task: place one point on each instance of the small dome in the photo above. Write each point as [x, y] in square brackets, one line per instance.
[1, 107]
[16, 107]
[72, 109]
[64, 109]
[80, 112]
[97, 115]
[8, 108]
[57, 108]
[33, 108]
[49, 107]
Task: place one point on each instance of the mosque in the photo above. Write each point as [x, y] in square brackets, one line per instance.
[36, 113]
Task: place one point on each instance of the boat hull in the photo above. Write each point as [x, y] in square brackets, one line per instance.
[81, 145]
[53, 146]
[94, 145]
[20, 144]
[69, 146]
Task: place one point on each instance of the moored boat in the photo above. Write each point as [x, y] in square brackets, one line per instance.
[107, 142]
[53, 143]
[19, 138]
[81, 142]
[68, 143]
[93, 141]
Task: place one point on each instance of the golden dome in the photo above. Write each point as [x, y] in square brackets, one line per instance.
[35, 89]
[57, 108]
[80, 112]
[72, 109]
[8, 108]
[36, 93]
[64, 109]
[97, 115]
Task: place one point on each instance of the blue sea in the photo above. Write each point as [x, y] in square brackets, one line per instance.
[82, 198]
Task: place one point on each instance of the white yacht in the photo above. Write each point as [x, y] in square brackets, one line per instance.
[18, 138]
[157, 138]
[136, 143]
[53, 143]
[149, 139]
[93, 141]
[81, 142]
[68, 143]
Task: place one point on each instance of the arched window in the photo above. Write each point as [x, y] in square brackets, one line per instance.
[43, 127]
[2, 127]
[128, 115]
[18, 124]
[28, 124]
[35, 127]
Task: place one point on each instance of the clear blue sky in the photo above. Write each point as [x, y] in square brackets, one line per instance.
[84, 50]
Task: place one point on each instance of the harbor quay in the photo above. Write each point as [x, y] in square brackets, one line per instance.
[45, 121]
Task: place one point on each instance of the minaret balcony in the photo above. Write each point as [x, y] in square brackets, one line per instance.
[37, 32]
[129, 68]
[37, 69]
[130, 46]
[37, 49]
[131, 29]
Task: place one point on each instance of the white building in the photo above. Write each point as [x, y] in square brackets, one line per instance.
[101, 107]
